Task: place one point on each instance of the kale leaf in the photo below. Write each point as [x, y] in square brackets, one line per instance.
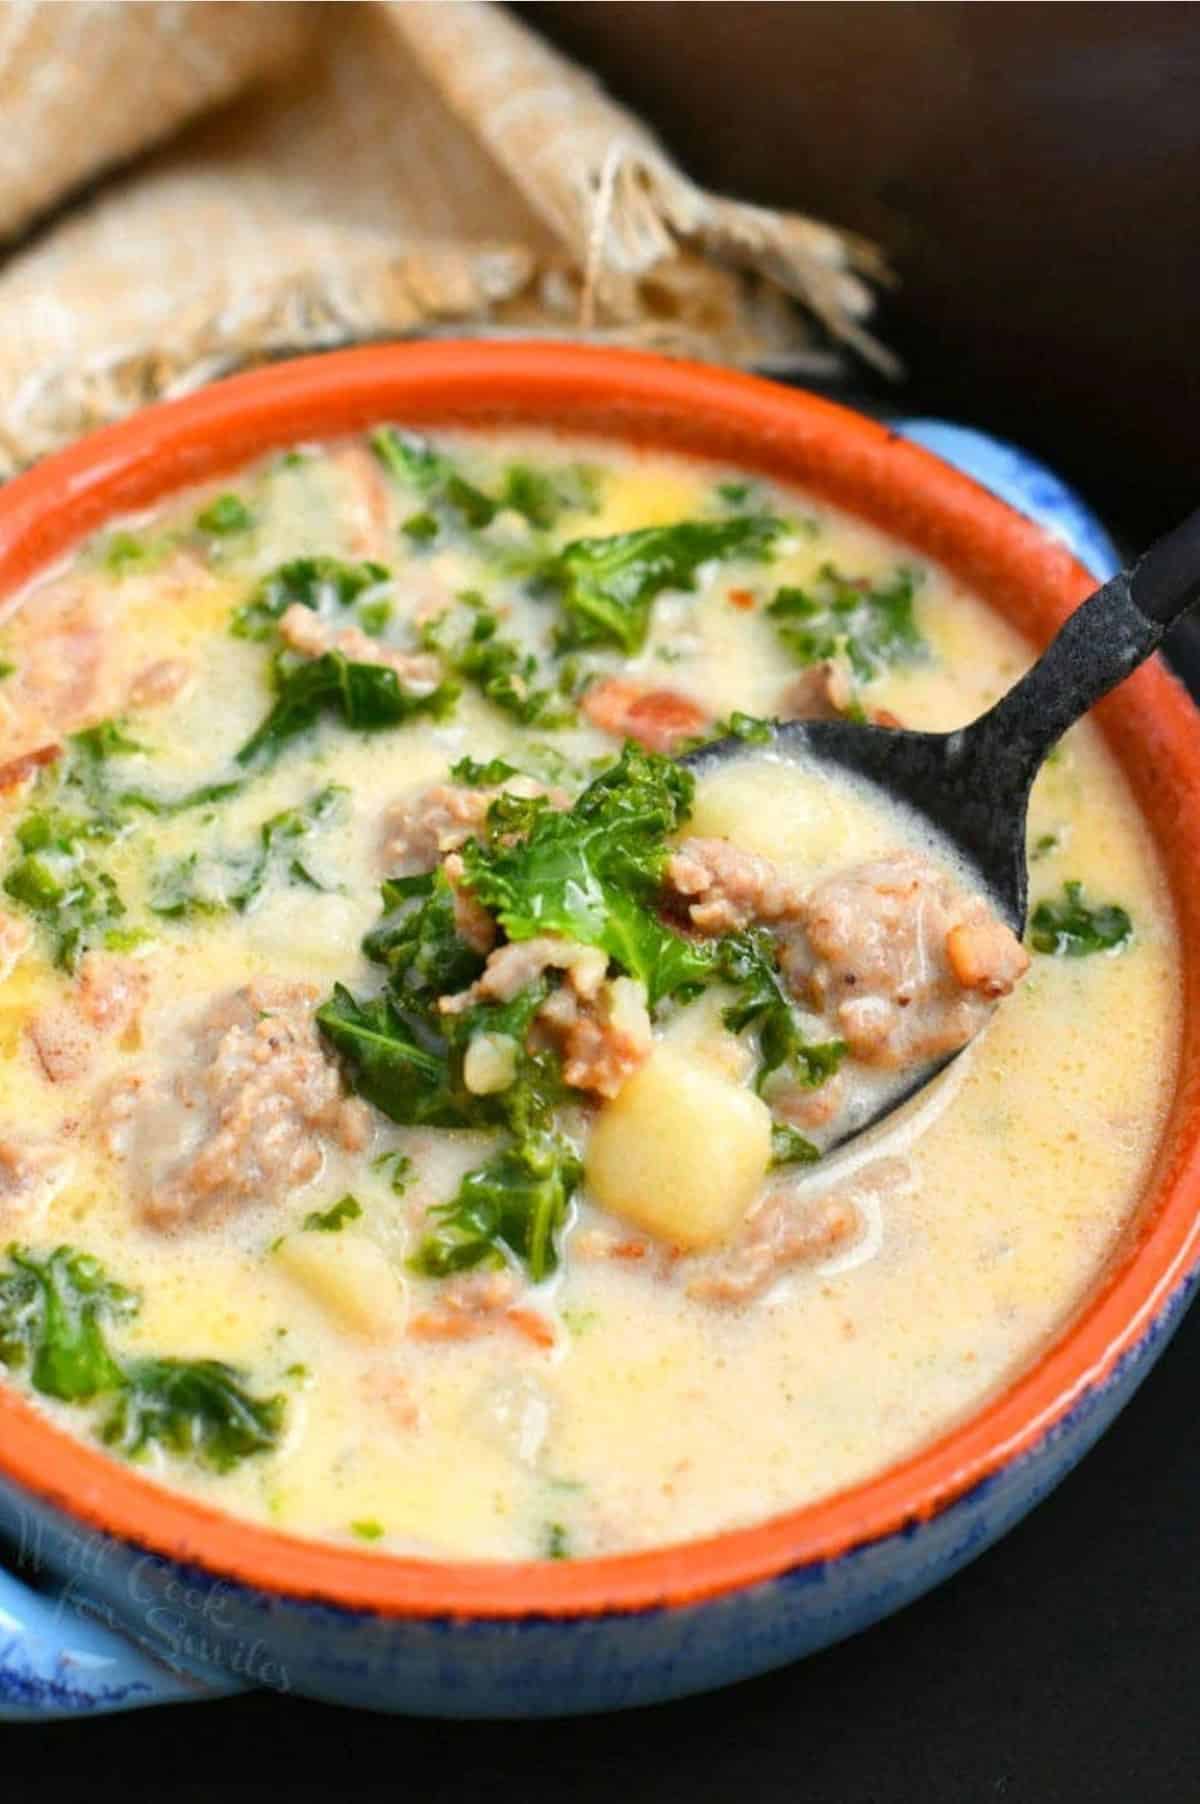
[368, 698]
[748, 961]
[225, 515]
[505, 674]
[487, 776]
[592, 872]
[195, 1408]
[1071, 927]
[515, 1202]
[324, 584]
[540, 496]
[607, 586]
[418, 941]
[415, 463]
[790, 1147]
[52, 1316]
[333, 1219]
[406, 1073]
[209, 883]
[839, 617]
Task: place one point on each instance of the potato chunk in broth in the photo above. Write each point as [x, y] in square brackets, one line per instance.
[422, 1094]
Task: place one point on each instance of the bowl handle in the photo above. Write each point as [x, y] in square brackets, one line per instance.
[59, 1658]
[1024, 483]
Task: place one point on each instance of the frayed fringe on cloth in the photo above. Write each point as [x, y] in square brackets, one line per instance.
[388, 170]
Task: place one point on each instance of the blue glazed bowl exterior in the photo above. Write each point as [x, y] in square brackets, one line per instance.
[91, 1624]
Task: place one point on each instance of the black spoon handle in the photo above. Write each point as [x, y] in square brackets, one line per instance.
[1106, 638]
[1165, 581]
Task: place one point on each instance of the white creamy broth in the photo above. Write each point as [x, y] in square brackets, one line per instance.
[551, 1359]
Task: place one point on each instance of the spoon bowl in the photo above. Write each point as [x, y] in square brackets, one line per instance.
[972, 785]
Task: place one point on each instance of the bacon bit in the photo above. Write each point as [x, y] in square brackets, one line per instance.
[656, 718]
[598, 1243]
[533, 1325]
[20, 770]
[458, 1325]
[742, 598]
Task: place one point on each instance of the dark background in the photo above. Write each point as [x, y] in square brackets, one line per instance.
[1034, 171]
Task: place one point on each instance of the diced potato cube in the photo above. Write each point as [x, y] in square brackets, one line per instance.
[770, 810]
[680, 1152]
[350, 1277]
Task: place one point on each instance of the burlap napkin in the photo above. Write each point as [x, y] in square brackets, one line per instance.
[309, 175]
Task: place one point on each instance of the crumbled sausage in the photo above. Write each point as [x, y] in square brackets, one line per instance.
[369, 517]
[602, 1038]
[824, 692]
[725, 888]
[791, 1226]
[103, 1008]
[513, 967]
[419, 830]
[472, 922]
[305, 632]
[659, 719]
[31, 1174]
[480, 1303]
[14, 938]
[265, 1099]
[159, 683]
[905, 963]
[17, 772]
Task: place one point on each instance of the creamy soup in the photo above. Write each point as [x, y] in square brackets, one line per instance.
[426, 1103]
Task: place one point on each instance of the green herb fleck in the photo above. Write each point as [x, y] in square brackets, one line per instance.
[790, 1147]
[224, 515]
[1071, 927]
[333, 1219]
[839, 617]
[368, 1529]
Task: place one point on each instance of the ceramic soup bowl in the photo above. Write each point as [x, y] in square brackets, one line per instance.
[216, 1602]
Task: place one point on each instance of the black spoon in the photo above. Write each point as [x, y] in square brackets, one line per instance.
[973, 784]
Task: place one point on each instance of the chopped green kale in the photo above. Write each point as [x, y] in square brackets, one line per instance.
[125, 554]
[225, 515]
[515, 1204]
[52, 1316]
[414, 462]
[333, 1219]
[607, 586]
[394, 1062]
[790, 1147]
[487, 776]
[367, 697]
[418, 941]
[1072, 927]
[368, 1529]
[592, 872]
[541, 496]
[748, 960]
[195, 1408]
[210, 883]
[324, 584]
[470, 641]
[556, 1542]
[400, 1167]
[7, 668]
[839, 617]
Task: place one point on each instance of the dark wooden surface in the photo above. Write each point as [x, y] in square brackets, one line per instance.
[1034, 171]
